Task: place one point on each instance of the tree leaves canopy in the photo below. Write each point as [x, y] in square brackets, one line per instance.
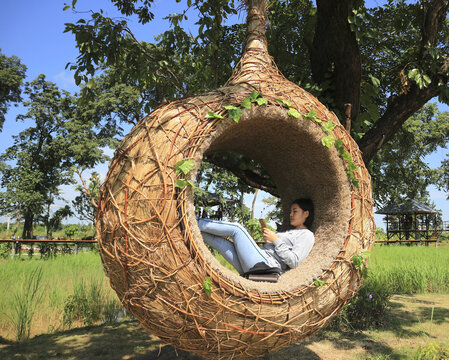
[44, 155]
[387, 61]
[12, 74]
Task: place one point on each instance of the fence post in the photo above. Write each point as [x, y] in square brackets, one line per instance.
[76, 247]
[13, 249]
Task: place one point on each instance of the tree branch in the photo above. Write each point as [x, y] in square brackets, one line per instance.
[86, 189]
[435, 13]
[398, 111]
[254, 178]
[401, 107]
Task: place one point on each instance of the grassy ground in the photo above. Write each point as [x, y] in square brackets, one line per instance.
[414, 320]
[409, 325]
[60, 277]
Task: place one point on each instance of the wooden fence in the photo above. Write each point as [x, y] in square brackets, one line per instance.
[18, 242]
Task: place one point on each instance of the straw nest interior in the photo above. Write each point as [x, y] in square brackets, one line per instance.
[292, 153]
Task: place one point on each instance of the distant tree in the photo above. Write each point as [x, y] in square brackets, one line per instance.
[85, 204]
[400, 169]
[443, 177]
[53, 220]
[12, 74]
[44, 155]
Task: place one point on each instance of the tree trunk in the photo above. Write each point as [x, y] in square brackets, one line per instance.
[254, 203]
[28, 226]
[335, 52]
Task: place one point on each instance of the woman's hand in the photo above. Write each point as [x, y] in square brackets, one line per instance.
[269, 236]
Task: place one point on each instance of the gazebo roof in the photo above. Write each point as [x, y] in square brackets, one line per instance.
[409, 206]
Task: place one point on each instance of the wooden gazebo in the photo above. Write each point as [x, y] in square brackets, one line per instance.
[411, 222]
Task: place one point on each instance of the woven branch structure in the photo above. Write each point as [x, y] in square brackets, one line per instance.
[152, 249]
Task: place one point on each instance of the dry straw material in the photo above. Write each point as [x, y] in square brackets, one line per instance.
[151, 246]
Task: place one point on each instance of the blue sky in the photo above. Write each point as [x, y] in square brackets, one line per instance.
[33, 31]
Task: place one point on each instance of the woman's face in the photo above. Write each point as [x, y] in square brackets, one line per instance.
[298, 216]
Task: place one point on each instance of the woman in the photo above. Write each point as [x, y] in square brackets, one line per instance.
[282, 250]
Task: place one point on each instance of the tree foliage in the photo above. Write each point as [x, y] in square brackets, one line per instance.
[401, 168]
[44, 155]
[85, 204]
[12, 74]
[402, 47]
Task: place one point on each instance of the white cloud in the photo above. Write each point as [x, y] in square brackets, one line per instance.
[64, 79]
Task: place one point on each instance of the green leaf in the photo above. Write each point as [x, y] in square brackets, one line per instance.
[254, 95]
[181, 183]
[67, 6]
[328, 126]
[352, 166]
[328, 141]
[246, 103]
[91, 83]
[293, 112]
[283, 102]
[346, 156]
[358, 261]
[311, 115]
[317, 282]
[191, 183]
[207, 286]
[211, 114]
[234, 112]
[262, 101]
[339, 146]
[375, 81]
[413, 74]
[184, 166]
[355, 182]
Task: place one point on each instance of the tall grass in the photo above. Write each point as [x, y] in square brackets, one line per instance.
[59, 280]
[394, 270]
[411, 270]
[24, 302]
[73, 285]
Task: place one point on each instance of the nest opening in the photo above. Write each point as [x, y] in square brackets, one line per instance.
[300, 166]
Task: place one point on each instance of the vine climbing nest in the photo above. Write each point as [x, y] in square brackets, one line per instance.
[150, 243]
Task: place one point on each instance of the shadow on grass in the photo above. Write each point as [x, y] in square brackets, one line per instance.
[408, 313]
[99, 342]
[128, 340]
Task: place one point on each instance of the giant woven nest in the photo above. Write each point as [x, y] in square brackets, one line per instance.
[152, 249]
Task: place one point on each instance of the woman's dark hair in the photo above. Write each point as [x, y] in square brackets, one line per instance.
[306, 205]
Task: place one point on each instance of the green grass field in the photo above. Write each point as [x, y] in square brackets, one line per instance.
[411, 270]
[61, 277]
[406, 270]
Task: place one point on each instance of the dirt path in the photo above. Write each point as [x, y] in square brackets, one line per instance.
[413, 321]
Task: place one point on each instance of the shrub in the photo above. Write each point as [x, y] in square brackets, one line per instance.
[367, 309]
[85, 304]
[5, 250]
[433, 351]
[71, 230]
[111, 309]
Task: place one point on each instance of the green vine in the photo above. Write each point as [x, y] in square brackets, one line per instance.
[235, 112]
[184, 167]
[207, 286]
[319, 283]
[328, 140]
[359, 262]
